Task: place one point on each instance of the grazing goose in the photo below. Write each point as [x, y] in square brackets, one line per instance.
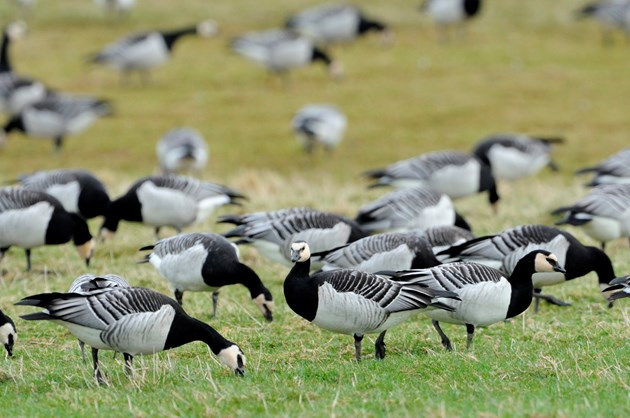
[382, 252]
[8, 334]
[355, 302]
[486, 295]
[78, 191]
[331, 23]
[205, 263]
[447, 13]
[174, 201]
[319, 124]
[131, 320]
[615, 169]
[280, 51]
[145, 51]
[502, 251]
[604, 214]
[453, 173]
[31, 219]
[259, 217]
[442, 237]
[610, 14]
[182, 150]
[620, 283]
[56, 116]
[514, 156]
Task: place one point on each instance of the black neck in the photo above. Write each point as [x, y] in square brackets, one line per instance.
[5, 65]
[487, 182]
[238, 274]
[127, 208]
[186, 329]
[80, 231]
[589, 259]
[300, 291]
[14, 124]
[522, 287]
[171, 37]
[369, 25]
[319, 55]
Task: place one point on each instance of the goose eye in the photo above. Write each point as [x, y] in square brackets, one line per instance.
[552, 261]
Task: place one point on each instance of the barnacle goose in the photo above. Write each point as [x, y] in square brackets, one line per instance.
[182, 150]
[205, 263]
[622, 284]
[8, 333]
[355, 302]
[611, 15]
[615, 169]
[131, 320]
[514, 156]
[319, 124]
[447, 13]
[442, 237]
[174, 201]
[31, 219]
[79, 191]
[333, 22]
[502, 251]
[145, 51]
[604, 214]
[453, 173]
[281, 50]
[258, 217]
[486, 295]
[116, 6]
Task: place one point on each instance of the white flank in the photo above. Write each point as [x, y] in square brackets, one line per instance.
[206, 207]
[446, 12]
[183, 270]
[25, 227]
[43, 123]
[457, 181]
[149, 53]
[509, 163]
[603, 229]
[163, 206]
[67, 194]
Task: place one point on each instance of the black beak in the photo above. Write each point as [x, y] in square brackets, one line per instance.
[559, 269]
[239, 371]
[87, 262]
[9, 349]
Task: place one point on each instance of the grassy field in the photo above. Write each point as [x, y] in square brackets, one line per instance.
[523, 66]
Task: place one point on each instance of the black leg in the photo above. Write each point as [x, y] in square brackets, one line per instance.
[82, 347]
[28, 259]
[357, 346]
[97, 370]
[179, 297]
[157, 233]
[58, 143]
[470, 332]
[536, 299]
[551, 299]
[603, 246]
[379, 346]
[445, 341]
[128, 363]
[215, 301]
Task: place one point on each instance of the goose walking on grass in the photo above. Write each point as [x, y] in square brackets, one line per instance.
[30, 219]
[355, 302]
[486, 295]
[131, 320]
[443, 237]
[174, 201]
[319, 124]
[182, 151]
[205, 263]
[8, 333]
[613, 170]
[622, 285]
[449, 13]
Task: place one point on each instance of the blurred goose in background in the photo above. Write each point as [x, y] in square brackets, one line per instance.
[453, 173]
[145, 51]
[615, 169]
[259, 217]
[622, 284]
[8, 333]
[442, 237]
[174, 201]
[610, 14]
[355, 302]
[502, 251]
[333, 22]
[319, 124]
[116, 6]
[280, 51]
[182, 150]
[30, 219]
[131, 320]
[446, 13]
[205, 263]
[486, 295]
[514, 156]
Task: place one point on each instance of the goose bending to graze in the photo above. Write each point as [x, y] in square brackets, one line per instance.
[182, 150]
[486, 295]
[613, 170]
[259, 217]
[514, 156]
[453, 173]
[610, 14]
[205, 263]
[131, 320]
[502, 251]
[79, 191]
[30, 219]
[355, 302]
[442, 237]
[319, 124]
[331, 23]
[280, 51]
[447, 13]
[622, 284]
[8, 333]
[174, 201]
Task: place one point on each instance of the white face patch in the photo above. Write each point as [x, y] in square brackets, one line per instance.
[263, 304]
[6, 330]
[541, 264]
[300, 250]
[86, 250]
[233, 357]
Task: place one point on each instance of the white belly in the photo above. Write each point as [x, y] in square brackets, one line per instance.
[457, 181]
[162, 206]
[25, 228]
[603, 229]
[183, 271]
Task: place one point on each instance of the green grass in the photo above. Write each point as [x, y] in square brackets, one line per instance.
[524, 66]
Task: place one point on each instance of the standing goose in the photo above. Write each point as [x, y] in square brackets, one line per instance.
[613, 170]
[205, 263]
[131, 320]
[8, 334]
[453, 173]
[182, 150]
[319, 124]
[355, 302]
[486, 295]
[447, 13]
[622, 284]
[31, 219]
[502, 251]
[442, 237]
[174, 201]
[514, 156]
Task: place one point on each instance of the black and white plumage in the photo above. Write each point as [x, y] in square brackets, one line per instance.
[453, 173]
[30, 219]
[79, 191]
[354, 302]
[613, 170]
[514, 156]
[622, 287]
[280, 51]
[116, 6]
[502, 251]
[8, 333]
[610, 14]
[319, 124]
[486, 295]
[205, 263]
[174, 201]
[442, 237]
[130, 320]
[604, 214]
[182, 150]
[446, 13]
[334, 22]
[259, 217]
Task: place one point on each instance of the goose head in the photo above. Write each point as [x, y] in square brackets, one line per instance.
[546, 262]
[16, 30]
[207, 28]
[265, 303]
[300, 252]
[234, 358]
[8, 336]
